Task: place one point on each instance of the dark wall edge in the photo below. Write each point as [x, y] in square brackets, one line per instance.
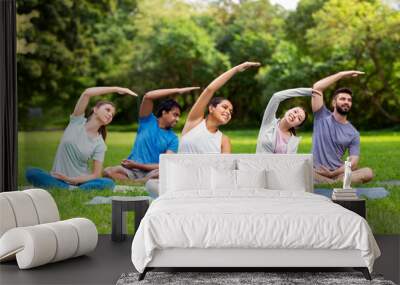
[8, 97]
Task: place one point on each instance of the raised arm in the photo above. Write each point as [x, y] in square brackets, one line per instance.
[196, 114]
[277, 98]
[83, 101]
[318, 101]
[146, 108]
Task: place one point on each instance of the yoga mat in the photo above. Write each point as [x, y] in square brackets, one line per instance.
[371, 193]
[126, 188]
[393, 182]
[100, 200]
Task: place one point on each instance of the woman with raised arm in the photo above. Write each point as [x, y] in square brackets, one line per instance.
[201, 133]
[279, 135]
[83, 140]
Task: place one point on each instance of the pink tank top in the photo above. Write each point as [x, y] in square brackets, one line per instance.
[281, 142]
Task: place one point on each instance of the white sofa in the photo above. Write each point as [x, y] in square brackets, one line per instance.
[247, 210]
[31, 231]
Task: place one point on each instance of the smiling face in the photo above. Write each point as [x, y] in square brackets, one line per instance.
[342, 103]
[295, 117]
[222, 112]
[105, 113]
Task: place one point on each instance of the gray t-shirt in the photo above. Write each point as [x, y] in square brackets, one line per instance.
[331, 139]
[77, 148]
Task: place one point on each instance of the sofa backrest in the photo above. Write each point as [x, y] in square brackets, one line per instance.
[292, 172]
[26, 208]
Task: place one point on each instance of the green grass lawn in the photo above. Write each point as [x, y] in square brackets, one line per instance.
[379, 150]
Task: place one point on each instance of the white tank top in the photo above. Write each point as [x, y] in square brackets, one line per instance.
[201, 140]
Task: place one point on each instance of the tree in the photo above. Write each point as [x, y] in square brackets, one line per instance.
[59, 55]
[247, 31]
[172, 50]
[363, 35]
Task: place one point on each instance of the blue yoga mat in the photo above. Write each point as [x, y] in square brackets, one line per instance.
[371, 193]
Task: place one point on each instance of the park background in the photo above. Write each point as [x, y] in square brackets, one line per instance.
[66, 46]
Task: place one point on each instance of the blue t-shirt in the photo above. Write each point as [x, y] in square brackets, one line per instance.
[331, 139]
[151, 141]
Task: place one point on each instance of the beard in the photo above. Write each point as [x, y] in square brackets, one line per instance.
[170, 126]
[341, 111]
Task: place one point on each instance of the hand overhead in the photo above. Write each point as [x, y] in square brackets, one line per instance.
[83, 101]
[317, 100]
[350, 73]
[121, 90]
[187, 89]
[246, 65]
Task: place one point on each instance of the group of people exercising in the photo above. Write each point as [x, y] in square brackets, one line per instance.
[84, 138]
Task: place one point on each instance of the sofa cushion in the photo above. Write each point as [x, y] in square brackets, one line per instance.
[23, 208]
[46, 207]
[7, 215]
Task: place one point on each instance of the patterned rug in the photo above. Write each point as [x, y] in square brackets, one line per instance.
[239, 278]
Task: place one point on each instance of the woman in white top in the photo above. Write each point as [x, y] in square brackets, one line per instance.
[201, 133]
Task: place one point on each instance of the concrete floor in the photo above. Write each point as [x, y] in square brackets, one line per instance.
[102, 266]
[111, 259]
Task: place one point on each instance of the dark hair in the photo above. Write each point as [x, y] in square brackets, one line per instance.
[215, 101]
[167, 106]
[293, 130]
[342, 90]
[102, 130]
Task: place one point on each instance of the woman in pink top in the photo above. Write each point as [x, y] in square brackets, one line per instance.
[278, 135]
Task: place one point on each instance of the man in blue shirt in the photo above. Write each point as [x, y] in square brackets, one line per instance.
[154, 137]
[333, 134]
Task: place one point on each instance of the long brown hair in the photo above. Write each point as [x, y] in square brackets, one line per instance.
[102, 130]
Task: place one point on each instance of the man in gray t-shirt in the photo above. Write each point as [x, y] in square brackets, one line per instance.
[333, 134]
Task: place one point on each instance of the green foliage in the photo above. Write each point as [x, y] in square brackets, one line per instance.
[363, 35]
[172, 50]
[250, 31]
[66, 46]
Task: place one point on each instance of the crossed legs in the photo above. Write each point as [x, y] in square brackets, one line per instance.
[362, 175]
[40, 178]
[121, 173]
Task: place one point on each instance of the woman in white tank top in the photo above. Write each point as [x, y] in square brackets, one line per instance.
[201, 133]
